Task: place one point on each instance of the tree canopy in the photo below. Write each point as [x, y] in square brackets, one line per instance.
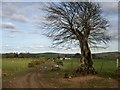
[70, 22]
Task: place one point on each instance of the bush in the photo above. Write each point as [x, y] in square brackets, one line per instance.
[66, 75]
[31, 65]
[36, 62]
[4, 74]
[60, 63]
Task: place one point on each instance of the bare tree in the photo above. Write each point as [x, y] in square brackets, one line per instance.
[79, 23]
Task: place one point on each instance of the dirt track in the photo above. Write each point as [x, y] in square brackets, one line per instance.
[31, 80]
[36, 79]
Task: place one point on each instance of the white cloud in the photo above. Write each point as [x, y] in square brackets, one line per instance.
[19, 11]
[109, 7]
[38, 46]
[10, 36]
[0, 13]
[8, 9]
[114, 35]
[20, 17]
[34, 48]
[9, 48]
[34, 32]
[8, 25]
[14, 30]
[110, 10]
[113, 25]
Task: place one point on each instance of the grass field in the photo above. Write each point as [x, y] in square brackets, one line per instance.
[14, 67]
[105, 68]
[17, 66]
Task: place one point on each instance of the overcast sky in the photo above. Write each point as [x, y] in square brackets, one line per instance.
[20, 32]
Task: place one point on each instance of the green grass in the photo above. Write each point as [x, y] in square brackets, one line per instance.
[18, 66]
[0, 63]
[68, 67]
[105, 68]
[15, 67]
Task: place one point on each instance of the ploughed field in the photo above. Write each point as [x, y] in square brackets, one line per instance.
[38, 73]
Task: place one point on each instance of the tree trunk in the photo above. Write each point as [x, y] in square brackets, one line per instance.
[86, 64]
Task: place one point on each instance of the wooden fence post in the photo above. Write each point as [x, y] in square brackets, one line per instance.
[117, 63]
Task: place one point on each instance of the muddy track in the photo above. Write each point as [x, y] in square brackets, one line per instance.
[34, 79]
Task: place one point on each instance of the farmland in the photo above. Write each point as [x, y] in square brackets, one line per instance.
[16, 67]
[104, 68]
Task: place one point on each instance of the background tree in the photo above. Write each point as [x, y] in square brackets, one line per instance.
[77, 23]
[77, 55]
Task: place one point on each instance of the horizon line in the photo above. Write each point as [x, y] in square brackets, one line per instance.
[58, 52]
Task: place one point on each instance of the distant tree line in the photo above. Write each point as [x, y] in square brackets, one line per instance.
[57, 55]
[18, 55]
[30, 55]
